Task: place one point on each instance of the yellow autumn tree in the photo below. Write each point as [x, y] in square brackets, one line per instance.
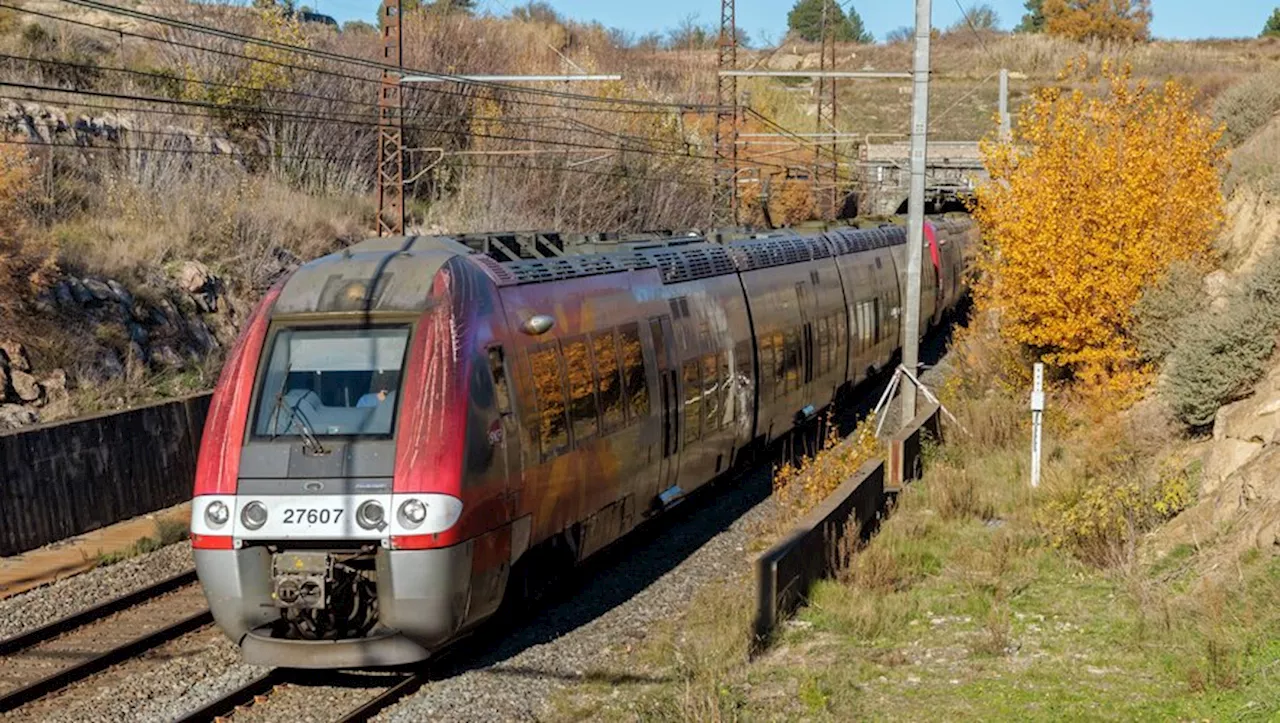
[241, 91]
[1110, 20]
[1101, 189]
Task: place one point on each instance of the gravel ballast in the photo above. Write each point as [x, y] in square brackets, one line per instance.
[43, 605]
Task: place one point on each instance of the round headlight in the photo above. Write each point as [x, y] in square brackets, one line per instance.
[371, 516]
[412, 513]
[254, 515]
[217, 514]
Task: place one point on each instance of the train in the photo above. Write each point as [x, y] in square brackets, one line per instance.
[411, 430]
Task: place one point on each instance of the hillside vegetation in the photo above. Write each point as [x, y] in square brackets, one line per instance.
[1137, 581]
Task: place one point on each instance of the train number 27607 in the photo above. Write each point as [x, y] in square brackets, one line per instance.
[299, 516]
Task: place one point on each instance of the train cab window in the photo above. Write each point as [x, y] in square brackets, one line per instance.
[725, 391]
[710, 391]
[692, 401]
[582, 390]
[610, 380]
[635, 386]
[497, 368]
[548, 386]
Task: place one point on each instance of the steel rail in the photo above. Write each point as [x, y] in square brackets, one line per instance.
[238, 697]
[24, 640]
[102, 661]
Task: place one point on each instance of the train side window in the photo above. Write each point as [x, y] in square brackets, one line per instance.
[692, 401]
[498, 369]
[636, 386]
[605, 350]
[553, 430]
[841, 333]
[875, 310]
[582, 390]
[824, 345]
[793, 360]
[710, 390]
[764, 378]
[725, 391]
[779, 364]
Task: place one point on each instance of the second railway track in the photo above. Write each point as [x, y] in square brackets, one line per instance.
[38, 662]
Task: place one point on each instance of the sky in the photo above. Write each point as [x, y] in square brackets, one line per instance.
[767, 19]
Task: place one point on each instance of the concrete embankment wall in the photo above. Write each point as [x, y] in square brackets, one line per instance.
[66, 478]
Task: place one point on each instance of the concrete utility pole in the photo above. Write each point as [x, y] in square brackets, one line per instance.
[725, 182]
[390, 127]
[1005, 125]
[915, 208]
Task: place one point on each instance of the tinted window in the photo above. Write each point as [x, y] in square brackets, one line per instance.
[710, 391]
[824, 345]
[692, 401]
[602, 345]
[636, 388]
[779, 363]
[331, 382]
[549, 388]
[765, 379]
[582, 390]
[498, 369]
[726, 387]
[793, 360]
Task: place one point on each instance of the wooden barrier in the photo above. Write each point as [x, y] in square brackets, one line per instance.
[811, 551]
[905, 447]
[63, 479]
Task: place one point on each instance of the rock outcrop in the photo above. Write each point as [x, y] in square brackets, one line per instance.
[126, 333]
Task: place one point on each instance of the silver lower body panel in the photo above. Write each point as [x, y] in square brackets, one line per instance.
[423, 603]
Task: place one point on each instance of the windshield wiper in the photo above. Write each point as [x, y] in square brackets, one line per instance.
[306, 431]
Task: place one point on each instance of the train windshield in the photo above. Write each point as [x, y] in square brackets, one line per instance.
[331, 382]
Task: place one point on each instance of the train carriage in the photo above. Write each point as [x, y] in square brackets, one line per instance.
[409, 430]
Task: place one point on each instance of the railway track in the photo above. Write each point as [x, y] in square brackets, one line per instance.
[280, 687]
[39, 662]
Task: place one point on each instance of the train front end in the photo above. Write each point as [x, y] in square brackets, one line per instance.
[330, 523]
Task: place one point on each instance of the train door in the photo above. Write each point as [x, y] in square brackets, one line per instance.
[668, 400]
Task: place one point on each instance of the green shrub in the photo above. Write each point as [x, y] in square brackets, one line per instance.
[1161, 313]
[1247, 106]
[1220, 354]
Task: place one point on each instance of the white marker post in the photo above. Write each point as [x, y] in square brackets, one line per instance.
[1037, 421]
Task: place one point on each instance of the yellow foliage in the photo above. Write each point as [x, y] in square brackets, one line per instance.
[799, 488]
[1115, 20]
[22, 265]
[790, 202]
[1098, 194]
[264, 73]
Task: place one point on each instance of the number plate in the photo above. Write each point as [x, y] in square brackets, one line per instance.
[309, 517]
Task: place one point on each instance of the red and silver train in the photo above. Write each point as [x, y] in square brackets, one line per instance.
[409, 427]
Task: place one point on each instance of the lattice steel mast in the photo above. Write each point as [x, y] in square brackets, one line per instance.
[726, 129]
[390, 127]
[827, 114]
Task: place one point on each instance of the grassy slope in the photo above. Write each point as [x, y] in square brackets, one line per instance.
[961, 609]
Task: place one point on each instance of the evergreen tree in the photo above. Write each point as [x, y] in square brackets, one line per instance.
[1033, 21]
[1272, 28]
[805, 19]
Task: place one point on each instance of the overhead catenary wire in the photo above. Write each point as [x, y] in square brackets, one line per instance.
[305, 118]
[336, 74]
[535, 122]
[373, 64]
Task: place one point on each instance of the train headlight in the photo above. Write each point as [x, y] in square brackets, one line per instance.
[254, 515]
[217, 513]
[412, 513]
[371, 516]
